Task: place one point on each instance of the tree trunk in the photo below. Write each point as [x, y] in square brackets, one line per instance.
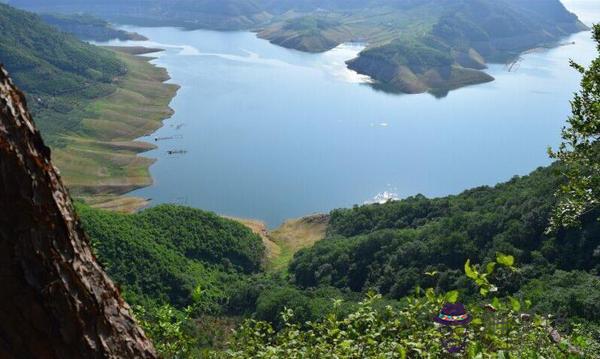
[55, 300]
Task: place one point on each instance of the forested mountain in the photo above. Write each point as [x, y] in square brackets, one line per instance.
[87, 27]
[89, 102]
[55, 69]
[179, 256]
[171, 255]
[162, 254]
[388, 247]
[413, 45]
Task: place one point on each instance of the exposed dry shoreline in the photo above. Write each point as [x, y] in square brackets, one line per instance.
[103, 165]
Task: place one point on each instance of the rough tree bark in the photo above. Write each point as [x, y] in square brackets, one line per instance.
[55, 300]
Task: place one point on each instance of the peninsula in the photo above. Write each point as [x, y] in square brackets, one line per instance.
[414, 46]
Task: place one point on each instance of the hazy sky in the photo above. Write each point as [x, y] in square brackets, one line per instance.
[587, 10]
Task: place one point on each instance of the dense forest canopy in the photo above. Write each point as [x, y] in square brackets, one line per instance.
[388, 247]
[164, 253]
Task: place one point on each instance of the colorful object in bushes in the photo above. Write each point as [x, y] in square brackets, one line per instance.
[451, 316]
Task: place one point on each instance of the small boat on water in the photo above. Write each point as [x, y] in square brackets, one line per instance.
[176, 137]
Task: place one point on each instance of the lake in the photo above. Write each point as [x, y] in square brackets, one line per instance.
[272, 133]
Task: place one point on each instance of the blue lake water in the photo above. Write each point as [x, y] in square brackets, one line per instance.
[273, 134]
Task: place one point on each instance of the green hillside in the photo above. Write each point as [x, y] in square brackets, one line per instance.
[413, 46]
[162, 254]
[55, 69]
[388, 247]
[87, 27]
[90, 103]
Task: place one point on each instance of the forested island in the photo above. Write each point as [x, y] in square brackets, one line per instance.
[413, 46]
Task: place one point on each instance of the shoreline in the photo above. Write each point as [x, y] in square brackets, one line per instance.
[133, 204]
[105, 163]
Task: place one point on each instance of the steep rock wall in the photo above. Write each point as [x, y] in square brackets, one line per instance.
[55, 300]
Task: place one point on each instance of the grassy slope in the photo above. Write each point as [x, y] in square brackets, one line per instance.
[103, 159]
[292, 236]
[272, 249]
[104, 162]
[57, 71]
[297, 234]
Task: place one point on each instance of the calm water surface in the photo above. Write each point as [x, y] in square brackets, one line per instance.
[272, 133]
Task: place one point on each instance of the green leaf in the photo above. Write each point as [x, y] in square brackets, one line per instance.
[504, 259]
[452, 296]
[470, 271]
[430, 294]
[402, 353]
[496, 303]
[490, 267]
[516, 305]
[197, 294]
[483, 291]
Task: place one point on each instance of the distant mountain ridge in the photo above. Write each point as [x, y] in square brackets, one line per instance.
[87, 27]
[414, 45]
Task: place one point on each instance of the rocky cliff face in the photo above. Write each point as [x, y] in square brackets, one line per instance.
[55, 300]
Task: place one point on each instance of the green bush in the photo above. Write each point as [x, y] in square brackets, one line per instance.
[499, 329]
[568, 295]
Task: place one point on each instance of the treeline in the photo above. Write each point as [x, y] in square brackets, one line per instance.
[492, 327]
[395, 247]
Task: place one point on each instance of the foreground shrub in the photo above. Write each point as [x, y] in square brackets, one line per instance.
[500, 328]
